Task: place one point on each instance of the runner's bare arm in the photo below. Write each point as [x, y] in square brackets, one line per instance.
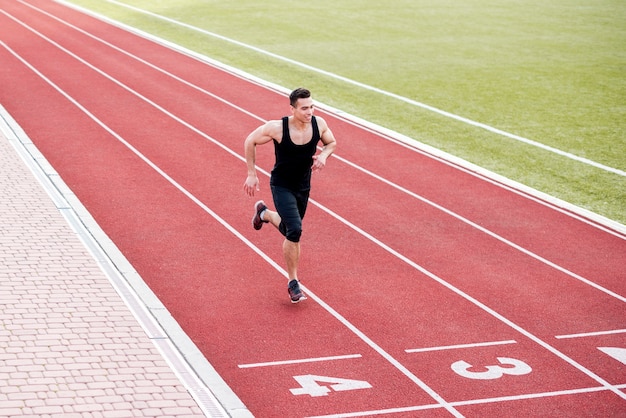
[330, 143]
[261, 135]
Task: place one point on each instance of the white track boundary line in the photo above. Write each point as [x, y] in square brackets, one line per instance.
[454, 347]
[382, 92]
[591, 334]
[442, 402]
[366, 339]
[299, 361]
[345, 161]
[470, 402]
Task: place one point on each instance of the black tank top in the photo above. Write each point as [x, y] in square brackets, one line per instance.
[293, 162]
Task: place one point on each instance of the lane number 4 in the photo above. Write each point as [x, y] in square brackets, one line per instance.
[517, 368]
[310, 385]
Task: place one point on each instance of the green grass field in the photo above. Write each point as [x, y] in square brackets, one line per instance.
[551, 72]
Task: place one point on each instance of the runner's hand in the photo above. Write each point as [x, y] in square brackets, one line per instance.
[319, 162]
[251, 185]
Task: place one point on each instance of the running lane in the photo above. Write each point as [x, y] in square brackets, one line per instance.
[440, 274]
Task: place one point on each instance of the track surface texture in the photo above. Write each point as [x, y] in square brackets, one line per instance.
[433, 290]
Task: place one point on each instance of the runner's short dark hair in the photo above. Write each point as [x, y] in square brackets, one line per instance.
[299, 93]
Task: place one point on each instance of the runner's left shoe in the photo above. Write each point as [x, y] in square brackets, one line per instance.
[295, 293]
[257, 222]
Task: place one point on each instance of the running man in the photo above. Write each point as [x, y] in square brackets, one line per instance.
[295, 140]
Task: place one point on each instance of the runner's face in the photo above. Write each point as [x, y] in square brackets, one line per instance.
[303, 110]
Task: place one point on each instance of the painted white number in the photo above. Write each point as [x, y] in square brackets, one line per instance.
[493, 372]
[617, 353]
[310, 386]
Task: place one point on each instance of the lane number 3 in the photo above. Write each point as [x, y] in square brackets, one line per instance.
[517, 368]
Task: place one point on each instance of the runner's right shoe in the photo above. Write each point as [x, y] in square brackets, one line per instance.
[257, 222]
[295, 293]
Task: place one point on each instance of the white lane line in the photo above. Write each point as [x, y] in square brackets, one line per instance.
[299, 361]
[487, 232]
[593, 219]
[591, 334]
[336, 156]
[227, 226]
[538, 395]
[484, 307]
[382, 92]
[141, 60]
[453, 347]
[575, 212]
[212, 397]
[346, 323]
[568, 209]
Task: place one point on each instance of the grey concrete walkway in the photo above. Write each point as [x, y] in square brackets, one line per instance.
[73, 342]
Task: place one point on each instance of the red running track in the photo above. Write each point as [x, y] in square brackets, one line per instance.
[433, 291]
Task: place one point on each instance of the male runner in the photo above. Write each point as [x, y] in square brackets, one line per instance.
[295, 141]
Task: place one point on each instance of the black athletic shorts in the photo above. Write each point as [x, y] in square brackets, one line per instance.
[291, 207]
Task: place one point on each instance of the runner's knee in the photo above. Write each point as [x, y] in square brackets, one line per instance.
[293, 234]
